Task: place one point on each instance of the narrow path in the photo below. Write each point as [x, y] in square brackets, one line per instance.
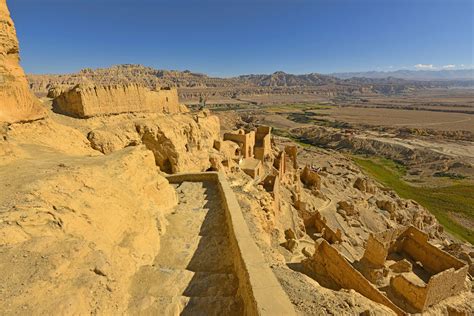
[193, 273]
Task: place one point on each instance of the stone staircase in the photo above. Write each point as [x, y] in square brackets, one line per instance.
[193, 274]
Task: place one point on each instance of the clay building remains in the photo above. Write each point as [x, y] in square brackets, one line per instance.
[246, 141]
[85, 101]
[263, 146]
[399, 269]
[253, 167]
[254, 148]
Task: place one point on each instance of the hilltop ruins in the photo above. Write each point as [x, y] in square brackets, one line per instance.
[122, 201]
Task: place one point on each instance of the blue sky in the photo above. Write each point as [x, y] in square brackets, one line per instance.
[231, 37]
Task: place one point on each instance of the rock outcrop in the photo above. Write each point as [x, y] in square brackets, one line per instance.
[89, 100]
[180, 143]
[78, 230]
[17, 102]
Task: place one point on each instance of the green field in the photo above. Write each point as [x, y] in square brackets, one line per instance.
[440, 201]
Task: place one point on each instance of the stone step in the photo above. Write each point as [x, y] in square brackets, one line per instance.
[175, 282]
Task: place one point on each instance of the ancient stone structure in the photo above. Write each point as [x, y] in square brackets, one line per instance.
[435, 274]
[86, 101]
[260, 290]
[17, 102]
[310, 178]
[254, 147]
[263, 146]
[253, 167]
[271, 184]
[246, 141]
[332, 270]
[399, 269]
[229, 148]
[254, 144]
[329, 234]
[292, 152]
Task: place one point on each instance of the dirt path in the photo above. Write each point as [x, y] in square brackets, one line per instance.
[193, 274]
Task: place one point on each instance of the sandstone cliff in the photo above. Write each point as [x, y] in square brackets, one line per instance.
[180, 143]
[89, 100]
[17, 102]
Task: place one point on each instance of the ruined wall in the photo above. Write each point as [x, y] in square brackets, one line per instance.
[445, 284]
[260, 290]
[414, 295]
[271, 184]
[440, 286]
[263, 145]
[310, 178]
[320, 223]
[375, 252]
[415, 244]
[86, 101]
[252, 167]
[337, 268]
[379, 245]
[245, 140]
[292, 153]
[17, 102]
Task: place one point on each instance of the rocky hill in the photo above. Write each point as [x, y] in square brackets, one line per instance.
[192, 85]
[425, 75]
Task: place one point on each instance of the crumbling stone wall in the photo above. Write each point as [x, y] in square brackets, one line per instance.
[378, 246]
[448, 274]
[330, 264]
[263, 145]
[86, 101]
[310, 178]
[245, 140]
[292, 153]
[320, 223]
[415, 243]
[260, 290]
[271, 184]
[440, 286]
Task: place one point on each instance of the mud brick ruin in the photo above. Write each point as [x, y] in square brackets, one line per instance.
[254, 148]
[399, 269]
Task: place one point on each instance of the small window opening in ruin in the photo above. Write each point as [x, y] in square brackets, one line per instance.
[166, 99]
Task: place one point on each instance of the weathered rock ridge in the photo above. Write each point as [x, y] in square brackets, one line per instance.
[89, 100]
[180, 143]
[17, 102]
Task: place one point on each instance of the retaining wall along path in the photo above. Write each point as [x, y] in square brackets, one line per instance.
[261, 292]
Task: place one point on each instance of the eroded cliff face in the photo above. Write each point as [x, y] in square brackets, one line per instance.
[89, 100]
[17, 102]
[180, 143]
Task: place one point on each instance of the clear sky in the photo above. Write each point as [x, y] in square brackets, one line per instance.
[230, 37]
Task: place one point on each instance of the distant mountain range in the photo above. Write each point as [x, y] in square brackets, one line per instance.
[192, 84]
[424, 75]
